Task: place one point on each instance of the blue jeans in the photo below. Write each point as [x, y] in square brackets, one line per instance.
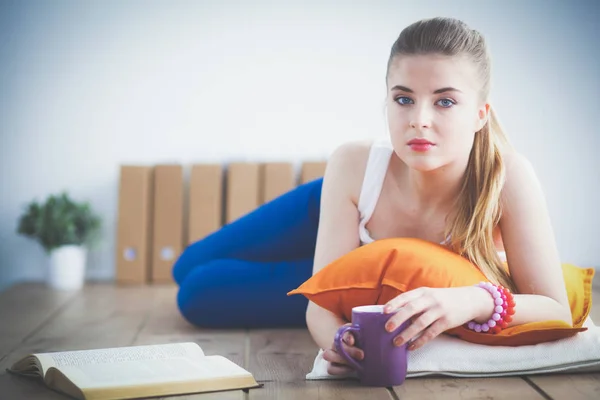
[239, 276]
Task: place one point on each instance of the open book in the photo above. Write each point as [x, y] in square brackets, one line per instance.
[134, 372]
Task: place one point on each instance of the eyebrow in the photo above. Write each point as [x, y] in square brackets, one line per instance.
[442, 90]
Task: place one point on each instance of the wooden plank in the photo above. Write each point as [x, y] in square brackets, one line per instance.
[101, 316]
[447, 388]
[322, 390]
[107, 316]
[166, 325]
[312, 170]
[281, 354]
[281, 358]
[243, 189]
[573, 386]
[25, 308]
[13, 387]
[277, 178]
[569, 386]
[205, 200]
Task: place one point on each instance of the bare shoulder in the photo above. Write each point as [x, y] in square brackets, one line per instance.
[515, 161]
[521, 179]
[351, 153]
[346, 166]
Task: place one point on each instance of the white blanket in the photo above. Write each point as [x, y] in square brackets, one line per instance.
[450, 356]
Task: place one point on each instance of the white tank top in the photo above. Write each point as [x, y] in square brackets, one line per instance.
[377, 165]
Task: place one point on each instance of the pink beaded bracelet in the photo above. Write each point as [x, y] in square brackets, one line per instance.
[503, 310]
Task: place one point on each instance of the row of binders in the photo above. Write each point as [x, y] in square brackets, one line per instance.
[160, 211]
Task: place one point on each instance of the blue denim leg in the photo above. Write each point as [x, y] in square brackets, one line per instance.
[229, 293]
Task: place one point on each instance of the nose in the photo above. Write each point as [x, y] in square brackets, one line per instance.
[420, 118]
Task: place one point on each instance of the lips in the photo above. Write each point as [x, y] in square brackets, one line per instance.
[420, 145]
[419, 142]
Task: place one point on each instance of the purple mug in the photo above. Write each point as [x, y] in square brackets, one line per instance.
[384, 363]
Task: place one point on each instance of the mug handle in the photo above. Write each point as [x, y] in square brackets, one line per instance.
[340, 348]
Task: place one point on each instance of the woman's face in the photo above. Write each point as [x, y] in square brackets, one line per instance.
[433, 109]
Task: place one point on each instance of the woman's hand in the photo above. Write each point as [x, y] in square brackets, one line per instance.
[435, 310]
[338, 364]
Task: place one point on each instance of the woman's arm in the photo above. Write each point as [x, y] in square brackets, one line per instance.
[534, 266]
[531, 251]
[338, 227]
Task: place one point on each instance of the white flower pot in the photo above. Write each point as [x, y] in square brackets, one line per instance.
[67, 267]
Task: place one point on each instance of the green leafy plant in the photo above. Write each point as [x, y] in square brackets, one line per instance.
[59, 221]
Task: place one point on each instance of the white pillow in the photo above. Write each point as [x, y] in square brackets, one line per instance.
[446, 355]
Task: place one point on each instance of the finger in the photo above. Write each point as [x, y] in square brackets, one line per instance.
[354, 352]
[337, 369]
[348, 339]
[419, 325]
[430, 333]
[410, 310]
[402, 300]
[333, 357]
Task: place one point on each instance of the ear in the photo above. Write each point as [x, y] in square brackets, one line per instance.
[482, 116]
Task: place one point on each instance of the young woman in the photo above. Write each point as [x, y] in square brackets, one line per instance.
[447, 175]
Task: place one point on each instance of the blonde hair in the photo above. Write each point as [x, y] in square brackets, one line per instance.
[477, 210]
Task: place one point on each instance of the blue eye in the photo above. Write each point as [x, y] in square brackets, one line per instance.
[446, 103]
[402, 100]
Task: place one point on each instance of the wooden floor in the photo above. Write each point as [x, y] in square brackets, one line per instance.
[35, 319]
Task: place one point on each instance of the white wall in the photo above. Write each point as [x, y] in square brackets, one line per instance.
[87, 85]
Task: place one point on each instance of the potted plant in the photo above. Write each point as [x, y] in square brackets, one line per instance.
[65, 229]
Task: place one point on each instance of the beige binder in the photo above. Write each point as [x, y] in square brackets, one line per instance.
[243, 194]
[134, 225]
[277, 178]
[205, 200]
[167, 242]
[312, 170]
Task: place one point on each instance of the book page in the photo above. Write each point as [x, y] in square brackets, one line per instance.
[143, 365]
[62, 359]
[29, 366]
[34, 365]
[122, 354]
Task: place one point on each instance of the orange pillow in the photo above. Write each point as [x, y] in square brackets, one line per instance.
[379, 271]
